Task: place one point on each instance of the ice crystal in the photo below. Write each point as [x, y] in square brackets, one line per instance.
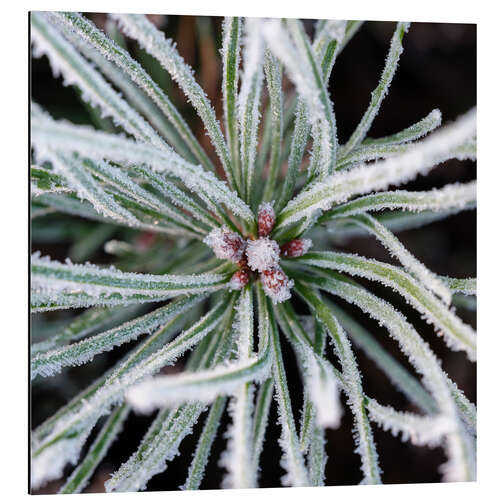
[262, 254]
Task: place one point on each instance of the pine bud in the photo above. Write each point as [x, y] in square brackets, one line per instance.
[238, 280]
[296, 248]
[276, 285]
[265, 219]
[262, 254]
[226, 244]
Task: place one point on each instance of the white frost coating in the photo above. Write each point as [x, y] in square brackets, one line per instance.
[461, 465]
[382, 88]
[79, 179]
[413, 132]
[276, 285]
[281, 45]
[307, 244]
[231, 61]
[51, 463]
[363, 436]
[63, 136]
[51, 450]
[119, 179]
[430, 280]
[37, 191]
[267, 209]
[79, 478]
[243, 324]
[451, 196]
[238, 280]
[225, 243]
[317, 457]
[262, 254]
[51, 362]
[153, 41]
[238, 457]
[424, 155]
[159, 446]
[428, 430]
[457, 334]
[88, 33]
[54, 278]
[335, 30]
[73, 206]
[76, 70]
[461, 450]
[320, 381]
[178, 197]
[292, 460]
[325, 129]
[274, 84]
[202, 386]
[371, 152]
[323, 390]
[467, 286]
[302, 71]
[249, 97]
[132, 91]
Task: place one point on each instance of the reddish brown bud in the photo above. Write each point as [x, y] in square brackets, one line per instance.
[226, 244]
[239, 279]
[262, 254]
[296, 248]
[276, 284]
[266, 219]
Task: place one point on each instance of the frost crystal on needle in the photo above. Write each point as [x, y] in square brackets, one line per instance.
[262, 254]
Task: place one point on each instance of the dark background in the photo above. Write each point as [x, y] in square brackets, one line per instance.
[437, 70]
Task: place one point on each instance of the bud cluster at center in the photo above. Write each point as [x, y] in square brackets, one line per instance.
[258, 257]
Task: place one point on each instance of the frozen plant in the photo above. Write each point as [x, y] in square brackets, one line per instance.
[232, 246]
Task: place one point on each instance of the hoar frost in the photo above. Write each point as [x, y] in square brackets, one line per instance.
[261, 255]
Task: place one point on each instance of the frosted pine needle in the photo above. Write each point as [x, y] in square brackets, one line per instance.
[208, 263]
